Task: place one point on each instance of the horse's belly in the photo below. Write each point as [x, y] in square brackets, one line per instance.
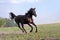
[25, 22]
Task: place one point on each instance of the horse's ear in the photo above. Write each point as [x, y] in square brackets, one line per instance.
[34, 8]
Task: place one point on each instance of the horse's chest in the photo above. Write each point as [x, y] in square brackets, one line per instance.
[30, 19]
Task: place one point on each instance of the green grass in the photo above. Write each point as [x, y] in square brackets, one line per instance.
[9, 29]
[44, 31]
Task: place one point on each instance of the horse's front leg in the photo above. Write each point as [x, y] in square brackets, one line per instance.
[31, 28]
[35, 26]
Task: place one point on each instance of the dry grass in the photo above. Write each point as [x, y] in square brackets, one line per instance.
[45, 32]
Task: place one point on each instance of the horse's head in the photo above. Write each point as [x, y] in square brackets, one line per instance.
[32, 11]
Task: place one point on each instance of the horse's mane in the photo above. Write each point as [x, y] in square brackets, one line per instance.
[28, 12]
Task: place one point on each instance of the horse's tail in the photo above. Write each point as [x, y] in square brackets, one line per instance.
[12, 15]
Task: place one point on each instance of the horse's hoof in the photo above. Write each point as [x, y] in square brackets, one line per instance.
[30, 31]
[36, 31]
[25, 32]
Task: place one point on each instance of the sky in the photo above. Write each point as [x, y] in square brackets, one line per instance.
[48, 11]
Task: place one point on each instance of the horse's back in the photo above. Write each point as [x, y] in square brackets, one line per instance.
[21, 19]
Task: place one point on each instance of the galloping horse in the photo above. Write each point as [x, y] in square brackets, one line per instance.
[25, 19]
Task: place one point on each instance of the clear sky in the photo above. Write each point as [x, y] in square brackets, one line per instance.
[48, 11]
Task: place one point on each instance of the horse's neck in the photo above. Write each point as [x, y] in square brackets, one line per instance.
[30, 16]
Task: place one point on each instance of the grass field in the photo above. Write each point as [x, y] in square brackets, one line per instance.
[45, 32]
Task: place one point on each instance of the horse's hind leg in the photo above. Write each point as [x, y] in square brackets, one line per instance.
[31, 28]
[35, 26]
[23, 27]
[20, 27]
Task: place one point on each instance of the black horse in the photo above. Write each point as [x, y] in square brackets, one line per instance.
[25, 19]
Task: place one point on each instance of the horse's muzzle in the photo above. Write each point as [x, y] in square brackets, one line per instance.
[35, 15]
